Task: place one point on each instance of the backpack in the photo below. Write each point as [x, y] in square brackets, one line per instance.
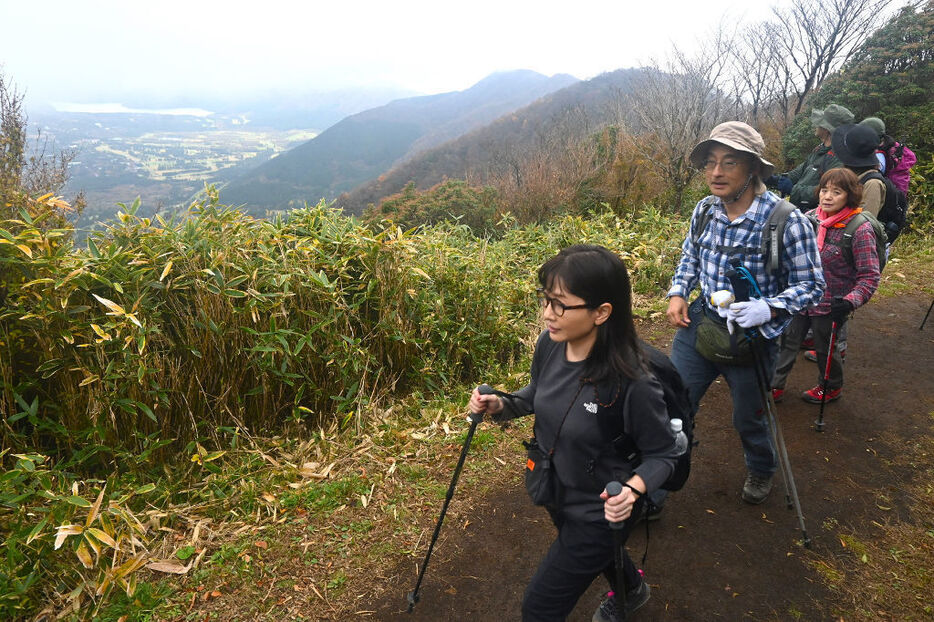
[678, 405]
[771, 238]
[894, 211]
[893, 156]
[846, 242]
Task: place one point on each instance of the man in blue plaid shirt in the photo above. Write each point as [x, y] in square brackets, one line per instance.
[739, 209]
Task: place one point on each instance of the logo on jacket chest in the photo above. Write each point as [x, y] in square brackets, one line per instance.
[591, 407]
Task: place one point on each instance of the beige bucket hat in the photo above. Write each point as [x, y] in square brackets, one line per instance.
[735, 135]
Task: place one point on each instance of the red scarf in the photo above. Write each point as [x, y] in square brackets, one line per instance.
[836, 220]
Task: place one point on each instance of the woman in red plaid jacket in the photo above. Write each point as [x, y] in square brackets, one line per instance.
[851, 271]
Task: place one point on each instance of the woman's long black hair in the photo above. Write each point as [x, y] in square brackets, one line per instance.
[597, 275]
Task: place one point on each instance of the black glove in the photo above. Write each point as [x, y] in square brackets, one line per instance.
[840, 308]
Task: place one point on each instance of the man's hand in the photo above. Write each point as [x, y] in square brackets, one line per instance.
[750, 313]
[678, 312]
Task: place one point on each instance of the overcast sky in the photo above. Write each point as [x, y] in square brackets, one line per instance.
[110, 51]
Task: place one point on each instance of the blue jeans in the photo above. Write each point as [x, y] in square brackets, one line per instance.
[749, 417]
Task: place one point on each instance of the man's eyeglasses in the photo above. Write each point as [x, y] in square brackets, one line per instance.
[727, 165]
[557, 306]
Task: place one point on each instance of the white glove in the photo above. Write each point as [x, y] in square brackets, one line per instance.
[724, 312]
[751, 313]
[721, 302]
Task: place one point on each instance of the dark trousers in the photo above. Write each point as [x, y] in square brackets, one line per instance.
[822, 327]
[581, 552]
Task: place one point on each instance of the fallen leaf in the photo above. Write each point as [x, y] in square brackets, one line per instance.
[261, 544]
[169, 567]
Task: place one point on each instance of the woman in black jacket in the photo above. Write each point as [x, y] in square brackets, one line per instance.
[588, 376]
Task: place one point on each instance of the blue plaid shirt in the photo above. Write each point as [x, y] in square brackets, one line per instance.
[799, 283]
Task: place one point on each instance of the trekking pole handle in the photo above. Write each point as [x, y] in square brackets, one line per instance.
[483, 389]
[612, 489]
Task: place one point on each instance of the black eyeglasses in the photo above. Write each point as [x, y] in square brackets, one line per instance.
[557, 306]
[727, 165]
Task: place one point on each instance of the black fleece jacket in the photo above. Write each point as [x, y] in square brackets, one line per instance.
[584, 459]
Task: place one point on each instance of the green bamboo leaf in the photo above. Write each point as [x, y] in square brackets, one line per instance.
[146, 409]
[78, 501]
[35, 531]
[142, 490]
[92, 247]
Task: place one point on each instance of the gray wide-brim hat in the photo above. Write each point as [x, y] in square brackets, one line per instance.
[831, 117]
[855, 145]
[735, 135]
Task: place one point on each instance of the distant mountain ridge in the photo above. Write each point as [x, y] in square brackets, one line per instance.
[563, 117]
[363, 146]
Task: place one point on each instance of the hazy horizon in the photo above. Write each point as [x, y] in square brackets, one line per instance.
[180, 54]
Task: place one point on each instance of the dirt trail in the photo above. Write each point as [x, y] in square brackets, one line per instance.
[711, 556]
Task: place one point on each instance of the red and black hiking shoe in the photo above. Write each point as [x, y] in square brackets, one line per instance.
[814, 395]
[635, 598]
[778, 395]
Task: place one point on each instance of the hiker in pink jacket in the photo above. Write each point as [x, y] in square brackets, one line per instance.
[898, 158]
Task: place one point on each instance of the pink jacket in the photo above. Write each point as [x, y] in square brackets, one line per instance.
[899, 173]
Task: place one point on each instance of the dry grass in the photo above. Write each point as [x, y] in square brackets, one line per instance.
[883, 571]
[295, 561]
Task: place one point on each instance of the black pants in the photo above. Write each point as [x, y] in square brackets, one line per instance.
[580, 553]
[822, 326]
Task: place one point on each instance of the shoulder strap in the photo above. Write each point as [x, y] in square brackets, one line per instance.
[702, 220]
[774, 234]
[849, 231]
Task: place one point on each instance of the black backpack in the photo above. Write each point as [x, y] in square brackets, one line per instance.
[894, 211]
[679, 407]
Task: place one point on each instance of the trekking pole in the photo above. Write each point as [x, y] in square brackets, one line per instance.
[743, 287]
[791, 490]
[926, 316]
[819, 424]
[474, 419]
[614, 488]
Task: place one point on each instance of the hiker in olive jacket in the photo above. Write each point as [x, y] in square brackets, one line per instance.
[805, 178]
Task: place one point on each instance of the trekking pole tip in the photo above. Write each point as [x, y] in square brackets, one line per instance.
[412, 597]
[819, 426]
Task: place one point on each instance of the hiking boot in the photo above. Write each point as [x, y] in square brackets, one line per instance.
[813, 395]
[778, 395]
[635, 598]
[650, 512]
[756, 488]
[807, 344]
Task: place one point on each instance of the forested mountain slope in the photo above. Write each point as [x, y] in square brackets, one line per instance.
[365, 145]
